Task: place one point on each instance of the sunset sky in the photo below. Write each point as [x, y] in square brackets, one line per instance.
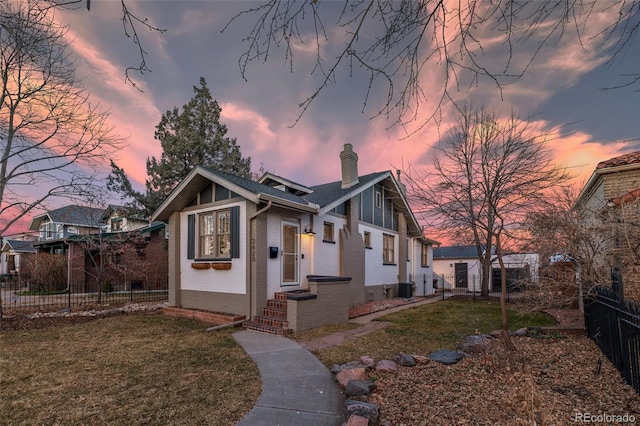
[563, 86]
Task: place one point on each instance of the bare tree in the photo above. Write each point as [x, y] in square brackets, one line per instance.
[487, 176]
[568, 249]
[52, 139]
[399, 44]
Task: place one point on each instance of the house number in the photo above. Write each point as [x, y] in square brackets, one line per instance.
[253, 249]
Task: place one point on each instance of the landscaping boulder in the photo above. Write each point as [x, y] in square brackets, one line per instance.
[405, 360]
[367, 361]
[356, 420]
[386, 366]
[363, 409]
[421, 359]
[446, 357]
[476, 344]
[336, 368]
[345, 376]
[359, 387]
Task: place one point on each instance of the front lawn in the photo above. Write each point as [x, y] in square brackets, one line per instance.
[125, 370]
[427, 328]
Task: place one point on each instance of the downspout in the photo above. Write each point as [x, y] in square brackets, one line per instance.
[251, 236]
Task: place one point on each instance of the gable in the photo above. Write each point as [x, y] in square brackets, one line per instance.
[203, 185]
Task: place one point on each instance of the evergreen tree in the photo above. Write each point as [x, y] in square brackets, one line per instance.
[191, 137]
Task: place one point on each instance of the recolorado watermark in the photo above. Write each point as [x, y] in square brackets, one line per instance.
[603, 418]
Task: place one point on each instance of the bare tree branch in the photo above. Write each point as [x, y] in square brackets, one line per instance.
[52, 140]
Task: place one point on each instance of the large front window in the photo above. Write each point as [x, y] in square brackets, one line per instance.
[215, 234]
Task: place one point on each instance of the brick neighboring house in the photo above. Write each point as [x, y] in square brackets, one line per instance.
[132, 256]
[609, 206]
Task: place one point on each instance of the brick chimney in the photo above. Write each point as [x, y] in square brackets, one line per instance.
[349, 160]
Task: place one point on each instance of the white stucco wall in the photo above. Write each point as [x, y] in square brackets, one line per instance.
[445, 268]
[376, 273]
[422, 276]
[327, 255]
[230, 281]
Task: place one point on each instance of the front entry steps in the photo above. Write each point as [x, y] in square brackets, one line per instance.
[273, 319]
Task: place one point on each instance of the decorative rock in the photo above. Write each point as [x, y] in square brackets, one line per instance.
[475, 344]
[336, 368]
[386, 366]
[363, 409]
[446, 357]
[345, 376]
[355, 420]
[498, 333]
[405, 360]
[359, 387]
[367, 361]
[421, 359]
[521, 332]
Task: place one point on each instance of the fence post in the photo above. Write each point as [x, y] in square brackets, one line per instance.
[617, 286]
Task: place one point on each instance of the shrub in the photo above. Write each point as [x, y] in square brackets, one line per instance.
[48, 272]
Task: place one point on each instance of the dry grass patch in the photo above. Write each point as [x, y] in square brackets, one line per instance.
[134, 369]
[427, 328]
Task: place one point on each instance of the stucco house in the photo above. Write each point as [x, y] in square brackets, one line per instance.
[251, 248]
[458, 268]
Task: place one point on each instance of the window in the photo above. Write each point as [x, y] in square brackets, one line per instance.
[116, 224]
[424, 255]
[46, 231]
[367, 239]
[388, 248]
[378, 199]
[214, 234]
[327, 233]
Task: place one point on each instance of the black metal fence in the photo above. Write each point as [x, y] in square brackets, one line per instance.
[470, 288]
[18, 296]
[614, 325]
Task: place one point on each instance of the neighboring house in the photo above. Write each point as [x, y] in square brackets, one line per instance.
[67, 221]
[458, 267]
[521, 268]
[15, 252]
[234, 243]
[608, 206]
[126, 260]
[123, 249]
[119, 219]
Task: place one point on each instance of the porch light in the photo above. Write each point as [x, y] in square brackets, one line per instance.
[309, 231]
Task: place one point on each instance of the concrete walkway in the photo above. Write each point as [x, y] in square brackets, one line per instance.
[297, 389]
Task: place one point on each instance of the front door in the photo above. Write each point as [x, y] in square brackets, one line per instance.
[289, 259]
[462, 277]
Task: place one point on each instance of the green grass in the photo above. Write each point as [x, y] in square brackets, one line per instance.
[125, 370]
[424, 329]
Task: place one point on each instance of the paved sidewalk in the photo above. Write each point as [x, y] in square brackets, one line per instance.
[297, 389]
